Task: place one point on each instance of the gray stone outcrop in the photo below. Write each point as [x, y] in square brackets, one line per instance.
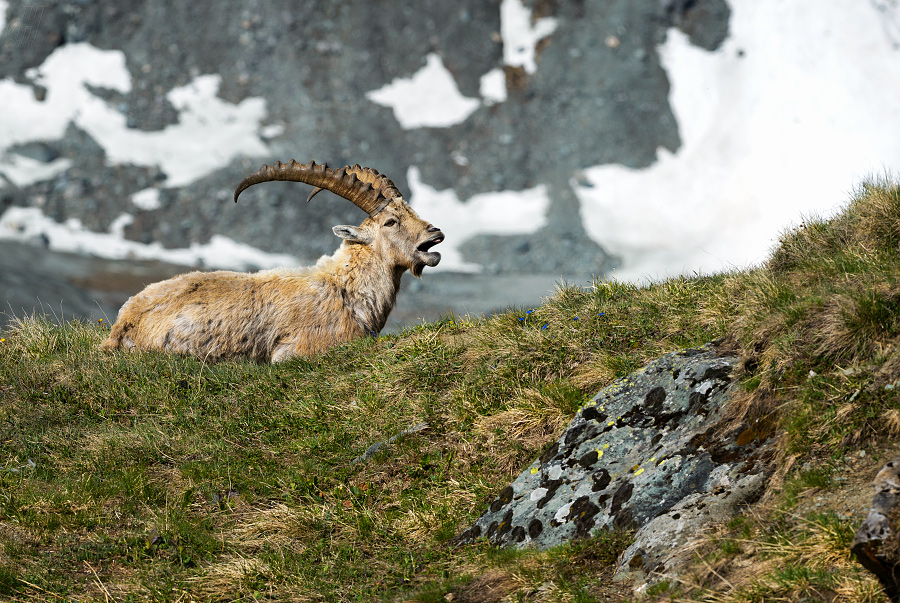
[648, 453]
[876, 544]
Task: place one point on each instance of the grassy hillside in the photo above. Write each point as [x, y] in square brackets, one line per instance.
[151, 477]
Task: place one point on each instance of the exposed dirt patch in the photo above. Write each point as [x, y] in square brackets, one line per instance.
[492, 587]
[850, 494]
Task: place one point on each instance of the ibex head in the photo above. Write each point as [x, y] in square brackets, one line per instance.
[393, 230]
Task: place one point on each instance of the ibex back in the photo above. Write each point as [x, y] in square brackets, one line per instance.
[273, 315]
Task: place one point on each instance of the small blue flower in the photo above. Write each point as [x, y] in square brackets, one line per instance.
[521, 318]
[544, 327]
[576, 318]
[601, 313]
[529, 312]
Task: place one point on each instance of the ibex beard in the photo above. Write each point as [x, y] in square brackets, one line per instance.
[274, 315]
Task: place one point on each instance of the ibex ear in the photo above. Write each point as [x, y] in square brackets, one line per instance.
[352, 234]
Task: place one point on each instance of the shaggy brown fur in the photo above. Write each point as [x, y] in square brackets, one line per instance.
[273, 315]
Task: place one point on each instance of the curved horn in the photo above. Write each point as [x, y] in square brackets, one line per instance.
[366, 188]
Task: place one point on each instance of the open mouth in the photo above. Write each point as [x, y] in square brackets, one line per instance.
[424, 247]
[430, 258]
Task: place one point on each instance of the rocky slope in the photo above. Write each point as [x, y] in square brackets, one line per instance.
[598, 95]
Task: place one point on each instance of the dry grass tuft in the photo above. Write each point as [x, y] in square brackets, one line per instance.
[853, 326]
[277, 526]
[859, 589]
[876, 213]
[532, 415]
[891, 420]
[419, 525]
[533, 419]
[492, 587]
[596, 373]
[237, 578]
[823, 543]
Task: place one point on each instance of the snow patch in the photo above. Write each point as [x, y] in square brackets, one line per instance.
[428, 99]
[507, 212]
[29, 224]
[210, 132]
[520, 35]
[65, 74]
[431, 98]
[147, 199]
[25, 171]
[117, 227]
[492, 87]
[271, 131]
[782, 121]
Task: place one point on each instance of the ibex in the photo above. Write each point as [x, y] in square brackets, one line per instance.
[273, 315]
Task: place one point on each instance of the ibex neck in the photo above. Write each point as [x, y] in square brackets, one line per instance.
[367, 284]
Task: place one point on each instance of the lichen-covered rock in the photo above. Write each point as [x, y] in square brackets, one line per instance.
[645, 453]
[662, 545]
[877, 542]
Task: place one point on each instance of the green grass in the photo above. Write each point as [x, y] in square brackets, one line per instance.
[792, 559]
[152, 477]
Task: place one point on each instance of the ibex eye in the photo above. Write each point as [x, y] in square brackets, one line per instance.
[390, 222]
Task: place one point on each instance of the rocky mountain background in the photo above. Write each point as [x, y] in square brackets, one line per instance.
[598, 95]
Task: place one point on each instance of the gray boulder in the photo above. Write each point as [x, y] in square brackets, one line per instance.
[650, 453]
[876, 544]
